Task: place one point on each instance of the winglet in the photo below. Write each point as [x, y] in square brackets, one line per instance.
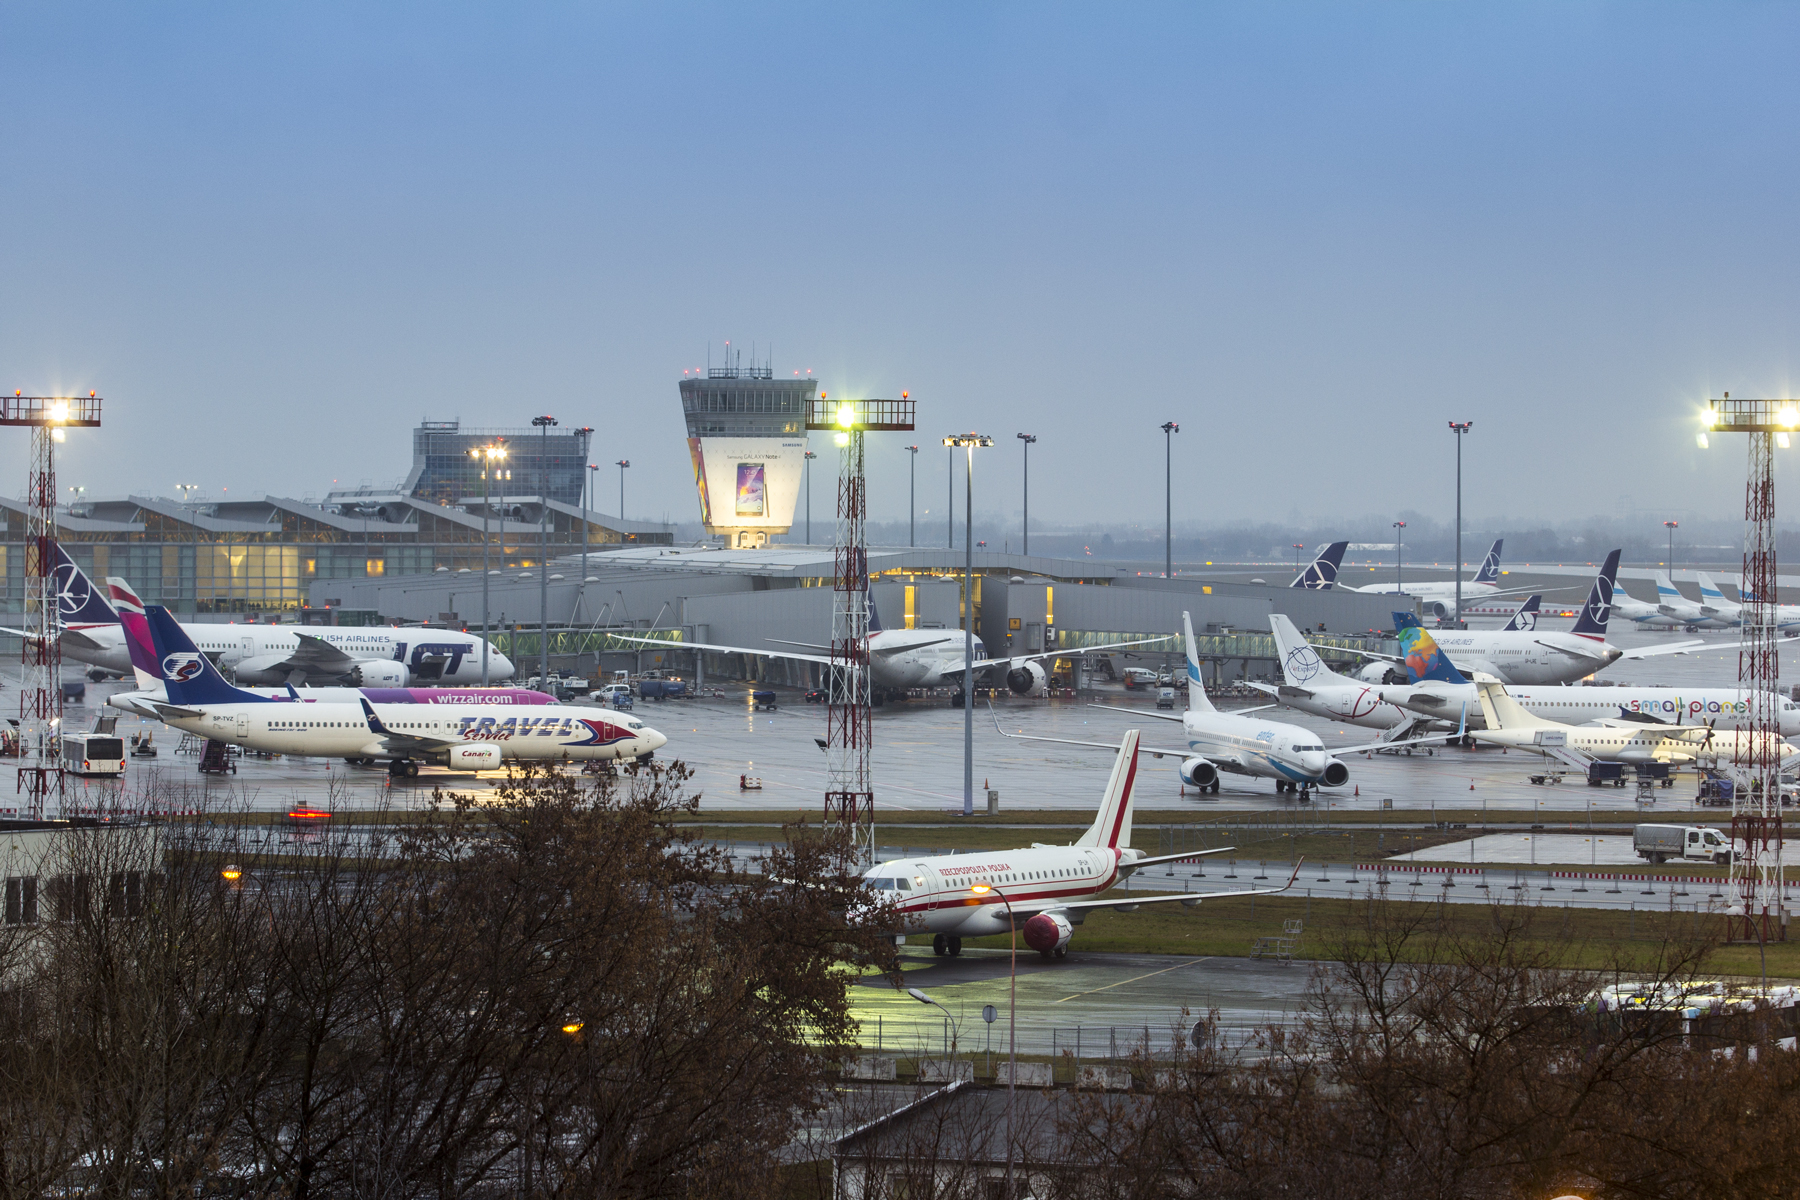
[1298, 863]
[292, 694]
[375, 725]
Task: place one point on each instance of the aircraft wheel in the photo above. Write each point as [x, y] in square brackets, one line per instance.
[955, 946]
[1047, 955]
[644, 758]
[1062, 952]
[1215, 787]
[940, 945]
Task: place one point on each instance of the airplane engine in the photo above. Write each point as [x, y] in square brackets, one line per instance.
[1438, 609]
[1048, 932]
[266, 670]
[1027, 679]
[380, 673]
[1336, 774]
[1383, 673]
[475, 756]
[1197, 772]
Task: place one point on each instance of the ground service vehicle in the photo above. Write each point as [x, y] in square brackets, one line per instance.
[1659, 843]
[93, 754]
[1165, 697]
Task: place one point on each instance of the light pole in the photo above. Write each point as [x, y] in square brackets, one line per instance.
[587, 439]
[622, 464]
[593, 482]
[543, 424]
[1298, 547]
[1399, 550]
[1671, 526]
[809, 457]
[968, 442]
[1169, 428]
[955, 1029]
[1459, 428]
[1025, 547]
[912, 496]
[488, 456]
[1012, 1022]
[950, 509]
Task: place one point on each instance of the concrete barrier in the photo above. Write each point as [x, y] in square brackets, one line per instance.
[1031, 1074]
[870, 1068]
[1107, 1079]
[937, 1070]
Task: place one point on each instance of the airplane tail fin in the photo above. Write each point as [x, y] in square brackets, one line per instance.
[874, 616]
[1709, 591]
[188, 676]
[1300, 663]
[1322, 572]
[137, 633]
[1666, 592]
[1197, 700]
[1112, 824]
[78, 601]
[1490, 566]
[1423, 658]
[1598, 609]
[1526, 619]
[1501, 710]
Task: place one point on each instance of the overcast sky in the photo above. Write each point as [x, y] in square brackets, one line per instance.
[274, 237]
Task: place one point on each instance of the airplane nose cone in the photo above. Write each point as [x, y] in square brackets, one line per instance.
[652, 739]
[499, 666]
[1313, 762]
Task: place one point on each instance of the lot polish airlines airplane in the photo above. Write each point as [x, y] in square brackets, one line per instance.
[467, 737]
[912, 658]
[1439, 598]
[1044, 891]
[1291, 755]
[378, 656]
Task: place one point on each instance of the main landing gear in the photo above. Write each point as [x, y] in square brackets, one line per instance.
[1282, 785]
[403, 768]
[945, 946]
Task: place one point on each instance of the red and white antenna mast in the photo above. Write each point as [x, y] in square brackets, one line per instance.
[41, 779]
[1755, 897]
[849, 737]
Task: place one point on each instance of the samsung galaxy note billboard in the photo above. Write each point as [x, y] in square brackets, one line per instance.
[748, 483]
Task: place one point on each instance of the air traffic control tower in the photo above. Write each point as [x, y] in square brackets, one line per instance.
[747, 438]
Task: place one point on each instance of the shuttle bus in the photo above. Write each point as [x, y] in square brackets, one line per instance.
[93, 754]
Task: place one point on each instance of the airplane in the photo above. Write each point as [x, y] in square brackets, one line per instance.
[469, 737]
[900, 659]
[1439, 597]
[1787, 616]
[375, 656]
[1685, 612]
[1043, 891]
[1438, 689]
[1322, 572]
[1507, 723]
[1235, 743]
[130, 610]
[1310, 686]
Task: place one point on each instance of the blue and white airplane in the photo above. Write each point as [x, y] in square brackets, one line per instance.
[468, 737]
[1438, 597]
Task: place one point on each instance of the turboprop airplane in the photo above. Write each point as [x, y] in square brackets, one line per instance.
[1234, 743]
[376, 656]
[1044, 891]
[900, 659]
[130, 611]
[1438, 598]
[468, 737]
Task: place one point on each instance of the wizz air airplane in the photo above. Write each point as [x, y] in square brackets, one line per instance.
[1235, 743]
[900, 659]
[466, 737]
[375, 656]
[1043, 891]
[1439, 597]
[130, 610]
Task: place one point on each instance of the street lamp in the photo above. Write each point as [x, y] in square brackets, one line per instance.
[955, 1029]
[1298, 547]
[489, 456]
[587, 439]
[950, 508]
[622, 464]
[1399, 534]
[1169, 428]
[543, 424]
[1459, 428]
[1671, 526]
[809, 457]
[912, 494]
[968, 442]
[1028, 439]
[1012, 1020]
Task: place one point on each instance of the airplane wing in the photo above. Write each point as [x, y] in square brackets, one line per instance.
[668, 645]
[173, 710]
[1679, 648]
[1283, 691]
[315, 655]
[1168, 858]
[74, 637]
[403, 742]
[1127, 903]
[983, 663]
[1113, 746]
[1139, 712]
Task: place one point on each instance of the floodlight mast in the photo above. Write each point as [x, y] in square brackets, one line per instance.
[1757, 911]
[849, 729]
[40, 774]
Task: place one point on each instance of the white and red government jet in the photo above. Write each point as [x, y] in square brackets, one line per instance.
[1043, 891]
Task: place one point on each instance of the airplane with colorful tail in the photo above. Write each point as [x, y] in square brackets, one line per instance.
[1042, 891]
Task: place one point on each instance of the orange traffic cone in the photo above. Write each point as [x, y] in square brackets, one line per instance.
[1358, 791]
[1471, 785]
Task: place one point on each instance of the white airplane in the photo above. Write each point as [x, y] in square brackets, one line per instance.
[1438, 597]
[900, 659]
[468, 737]
[1689, 615]
[1044, 891]
[373, 656]
[1507, 723]
[1310, 686]
[1235, 743]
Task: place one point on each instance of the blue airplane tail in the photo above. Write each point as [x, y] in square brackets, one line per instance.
[1322, 572]
[188, 676]
[1598, 609]
[1490, 566]
[1526, 618]
[874, 617]
[1423, 658]
[78, 601]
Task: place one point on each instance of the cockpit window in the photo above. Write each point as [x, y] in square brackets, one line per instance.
[881, 885]
[1298, 749]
